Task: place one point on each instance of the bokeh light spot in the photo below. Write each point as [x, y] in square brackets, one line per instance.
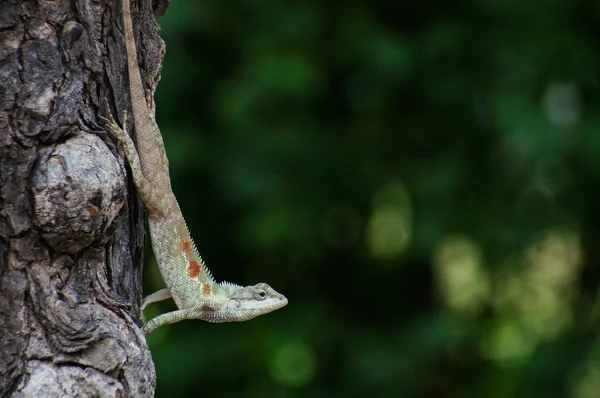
[293, 364]
[508, 344]
[540, 287]
[562, 104]
[462, 281]
[389, 228]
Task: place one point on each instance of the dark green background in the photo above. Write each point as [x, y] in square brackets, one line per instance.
[420, 179]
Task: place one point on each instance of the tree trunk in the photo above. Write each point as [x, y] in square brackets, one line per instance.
[71, 239]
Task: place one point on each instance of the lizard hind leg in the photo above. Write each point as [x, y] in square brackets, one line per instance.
[160, 295]
[149, 196]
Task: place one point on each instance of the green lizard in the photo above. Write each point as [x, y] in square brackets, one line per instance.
[188, 280]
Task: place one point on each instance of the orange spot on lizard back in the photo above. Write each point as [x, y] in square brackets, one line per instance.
[187, 245]
[193, 269]
[206, 289]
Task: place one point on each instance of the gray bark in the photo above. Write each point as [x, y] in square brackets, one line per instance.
[71, 227]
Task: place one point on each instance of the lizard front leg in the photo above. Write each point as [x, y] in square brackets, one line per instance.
[149, 196]
[176, 316]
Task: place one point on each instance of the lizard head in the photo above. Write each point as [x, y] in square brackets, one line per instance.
[245, 303]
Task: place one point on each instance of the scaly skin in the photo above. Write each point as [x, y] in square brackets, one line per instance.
[185, 274]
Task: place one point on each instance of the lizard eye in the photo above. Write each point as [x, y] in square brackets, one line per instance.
[261, 295]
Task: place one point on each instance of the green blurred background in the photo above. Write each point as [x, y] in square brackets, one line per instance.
[420, 179]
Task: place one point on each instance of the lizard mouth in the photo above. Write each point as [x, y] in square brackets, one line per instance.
[278, 303]
[282, 303]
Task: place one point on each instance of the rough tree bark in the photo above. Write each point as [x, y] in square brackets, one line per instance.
[71, 238]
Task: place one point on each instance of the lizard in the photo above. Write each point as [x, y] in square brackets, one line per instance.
[187, 279]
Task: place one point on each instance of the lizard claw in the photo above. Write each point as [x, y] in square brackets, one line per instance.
[109, 118]
[113, 126]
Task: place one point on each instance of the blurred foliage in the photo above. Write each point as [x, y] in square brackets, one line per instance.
[419, 178]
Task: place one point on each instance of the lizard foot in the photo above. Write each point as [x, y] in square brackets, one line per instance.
[114, 127]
